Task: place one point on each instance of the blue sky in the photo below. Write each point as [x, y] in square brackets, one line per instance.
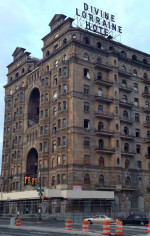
[24, 22]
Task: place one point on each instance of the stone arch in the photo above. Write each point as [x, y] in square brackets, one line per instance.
[33, 107]
[32, 163]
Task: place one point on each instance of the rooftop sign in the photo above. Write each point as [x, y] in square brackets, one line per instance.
[95, 20]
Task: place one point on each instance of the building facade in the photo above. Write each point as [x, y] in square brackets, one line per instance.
[80, 116]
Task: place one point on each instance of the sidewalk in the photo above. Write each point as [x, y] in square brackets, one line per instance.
[45, 228]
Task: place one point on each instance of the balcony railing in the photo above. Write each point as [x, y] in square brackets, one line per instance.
[106, 115]
[127, 153]
[146, 109]
[124, 74]
[126, 120]
[146, 81]
[125, 104]
[105, 132]
[126, 136]
[108, 150]
[146, 94]
[125, 88]
[103, 82]
[103, 67]
[147, 155]
[146, 124]
[104, 99]
[147, 139]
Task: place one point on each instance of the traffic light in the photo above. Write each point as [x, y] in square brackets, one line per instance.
[33, 181]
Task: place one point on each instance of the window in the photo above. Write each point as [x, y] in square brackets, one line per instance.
[55, 81]
[64, 105]
[127, 181]
[63, 180]
[127, 164]
[19, 140]
[116, 109]
[134, 73]
[124, 83]
[54, 111]
[40, 146]
[146, 104]
[124, 98]
[134, 57]
[138, 148]
[86, 142]
[58, 160]
[55, 96]
[101, 144]
[86, 89]
[148, 134]
[64, 123]
[126, 130]
[99, 45]
[56, 63]
[101, 180]
[21, 110]
[63, 159]
[58, 141]
[86, 160]
[123, 54]
[99, 60]
[100, 92]
[147, 119]
[42, 98]
[74, 36]
[135, 87]
[46, 97]
[42, 82]
[137, 132]
[86, 73]
[126, 147]
[41, 130]
[46, 81]
[101, 161]
[146, 90]
[56, 46]
[123, 68]
[85, 57]
[86, 106]
[58, 179]
[139, 164]
[54, 146]
[64, 71]
[54, 129]
[47, 53]
[46, 113]
[64, 88]
[64, 41]
[59, 124]
[86, 40]
[59, 89]
[145, 76]
[99, 76]
[137, 117]
[86, 179]
[136, 102]
[100, 126]
[86, 124]
[59, 106]
[53, 181]
[64, 140]
[45, 146]
[100, 109]
[117, 143]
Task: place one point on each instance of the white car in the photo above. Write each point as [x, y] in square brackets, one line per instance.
[99, 219]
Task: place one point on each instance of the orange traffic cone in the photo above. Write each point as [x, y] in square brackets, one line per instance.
[68, 224]
[106, 227]
[18, 222]
[119, 228]
[85, 226]
[148, 229]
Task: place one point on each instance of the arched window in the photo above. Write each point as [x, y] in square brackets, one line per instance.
[101, 180]
[126, 147]
[47, 53]
[86, 40]
[147, 104]
[144, 61]
[100, 92]
[58, 179]
[85, 57]
[125, 115]
[124, 83]
[99, 60]
[134, 72]
[53, 181]
[123, 54]
[126, 130]
[64, 41]
[100, 109]
[99, 45]
[127, 181]
[123, 68]
[147, 119]
[111, 48]
[99, 76]
[56, 63]
[101, 143]
[145, 76]
[134, 57]
[101, 161]
[100, 126]
[33, 107]
[146, 89]
[86, 179]
[58, 160]
[54, 111]
[124, 98]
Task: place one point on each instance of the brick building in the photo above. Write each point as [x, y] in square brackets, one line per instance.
[80, 116]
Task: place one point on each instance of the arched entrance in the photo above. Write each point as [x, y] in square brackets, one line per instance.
[33, 107]
[32, 163]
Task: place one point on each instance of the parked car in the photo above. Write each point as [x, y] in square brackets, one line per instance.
[99, 219]
[135, 220]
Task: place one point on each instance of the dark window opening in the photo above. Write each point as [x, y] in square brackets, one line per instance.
[33, 108]
[32, 163]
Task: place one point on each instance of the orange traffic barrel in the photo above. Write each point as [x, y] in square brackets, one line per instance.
[85, 226]
[18, 222]
[119, 228]
[68, 224]
[106, 227]
[148, 229]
